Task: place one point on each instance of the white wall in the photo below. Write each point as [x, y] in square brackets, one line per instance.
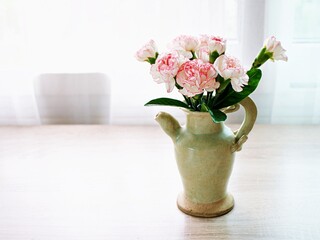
[41, 36]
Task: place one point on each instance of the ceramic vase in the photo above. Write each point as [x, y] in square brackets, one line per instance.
[205, 153]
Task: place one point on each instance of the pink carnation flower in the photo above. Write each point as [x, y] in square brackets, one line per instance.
[274, 46]
[209, 44]
[196, 76]
[165, 69]
[147, 51]
[185, 44]
[230, 68]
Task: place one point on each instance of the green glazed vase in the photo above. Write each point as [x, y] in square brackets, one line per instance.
[205, 153]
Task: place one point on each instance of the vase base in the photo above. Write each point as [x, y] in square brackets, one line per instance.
[207, 210]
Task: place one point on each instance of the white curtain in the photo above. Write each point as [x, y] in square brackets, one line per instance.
[296, 87]
[82, 36]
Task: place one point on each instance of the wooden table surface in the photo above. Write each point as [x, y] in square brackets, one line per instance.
[121, 182]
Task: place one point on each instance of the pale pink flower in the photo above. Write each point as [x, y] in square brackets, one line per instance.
[149, 50]
[195, 76]
[165, 69]
[213, 43]
[184, 54]
[185, 44]
[229, 68]
[204, 54]
[272, 45]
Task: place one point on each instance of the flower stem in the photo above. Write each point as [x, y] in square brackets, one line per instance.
[215, 99]
[187, 100]
[209, 96]
[262, 57]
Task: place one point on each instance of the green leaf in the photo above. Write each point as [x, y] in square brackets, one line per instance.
[213, 56]
[167, 102]
[230, 97]
[224, 84]
[151, 60]
[216, 115]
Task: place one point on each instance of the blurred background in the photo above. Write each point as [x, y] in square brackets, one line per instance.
[72, 61]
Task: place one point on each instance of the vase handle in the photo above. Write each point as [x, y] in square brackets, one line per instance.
[247, 124]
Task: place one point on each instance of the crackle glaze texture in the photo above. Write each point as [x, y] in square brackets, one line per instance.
[204, 153]
[204, 157]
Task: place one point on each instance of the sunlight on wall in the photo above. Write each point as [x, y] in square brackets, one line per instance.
[41, 36]
[102, 36]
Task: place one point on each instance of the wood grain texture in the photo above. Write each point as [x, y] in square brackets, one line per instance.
[118, 182]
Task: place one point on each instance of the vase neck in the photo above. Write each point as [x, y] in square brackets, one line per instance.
[201, 123]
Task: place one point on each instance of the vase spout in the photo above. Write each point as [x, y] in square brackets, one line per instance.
[168, 124]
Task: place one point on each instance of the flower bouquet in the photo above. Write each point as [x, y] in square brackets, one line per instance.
[208, 79]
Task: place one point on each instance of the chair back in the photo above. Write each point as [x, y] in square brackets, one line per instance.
[73, 98]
